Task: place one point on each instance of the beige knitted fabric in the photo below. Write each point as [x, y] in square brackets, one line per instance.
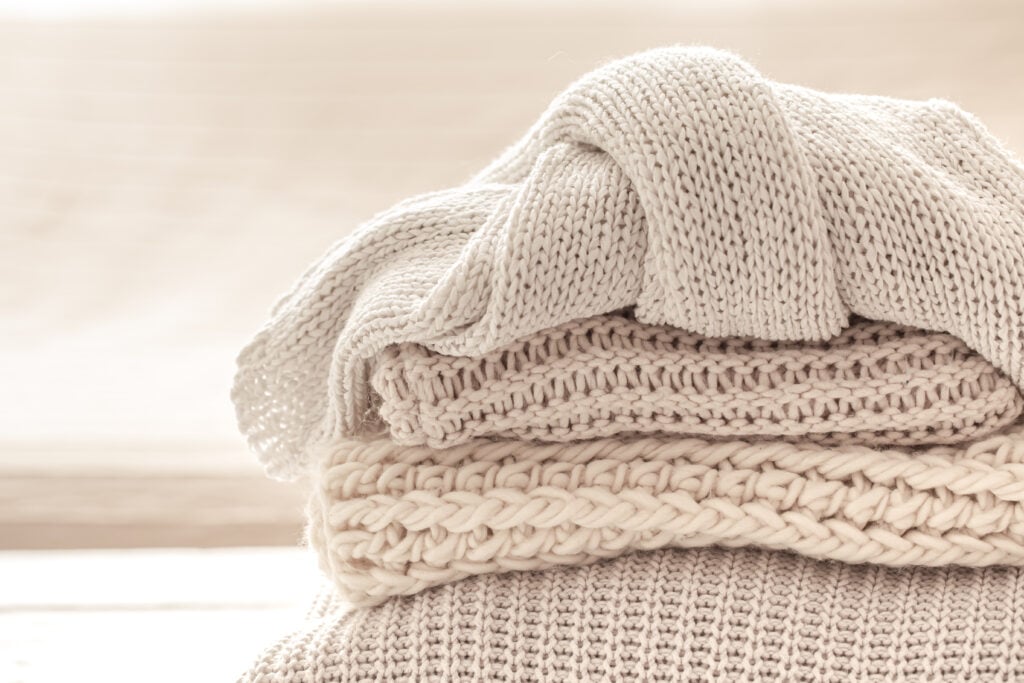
[873, 384]
[699, 615]
[686, 183]
[393, 520]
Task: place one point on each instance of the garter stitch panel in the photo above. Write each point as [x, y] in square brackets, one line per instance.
[873, 384]
[685, 183]
[680, 616]
[392, 520]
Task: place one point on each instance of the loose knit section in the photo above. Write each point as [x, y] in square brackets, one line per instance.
[391, 520]
[685, 183]
[873, 384]
[674, 616]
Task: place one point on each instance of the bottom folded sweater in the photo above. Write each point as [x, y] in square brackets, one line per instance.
[675, 615]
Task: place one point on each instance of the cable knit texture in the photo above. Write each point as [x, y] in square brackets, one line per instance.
[873, 384]
[700, 615]
[392, 520]
[685, 183]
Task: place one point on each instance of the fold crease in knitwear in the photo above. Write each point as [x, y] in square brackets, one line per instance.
[684, 184]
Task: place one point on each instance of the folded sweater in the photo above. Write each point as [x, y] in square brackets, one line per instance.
[680, 182]
[697, 615]
[873, 384]
[392, 520]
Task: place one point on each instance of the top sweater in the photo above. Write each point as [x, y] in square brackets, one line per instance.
[680, 182]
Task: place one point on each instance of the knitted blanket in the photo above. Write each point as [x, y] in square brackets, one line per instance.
[873, 384]
[393, 520]
[699, 615]
[681, 182]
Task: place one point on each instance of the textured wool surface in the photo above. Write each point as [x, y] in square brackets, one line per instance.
[685, 183]
[394, 520]
[873, 384]
[697, 615]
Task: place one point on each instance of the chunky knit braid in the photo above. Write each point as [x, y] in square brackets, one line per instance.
[685, 183]
[390, 520]
[873, 384]
[697, 615]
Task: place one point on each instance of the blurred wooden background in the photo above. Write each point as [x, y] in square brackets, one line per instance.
[165, 176]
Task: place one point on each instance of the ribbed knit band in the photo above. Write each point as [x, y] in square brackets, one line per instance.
[393, 520]
[873, 384]
[695, 615]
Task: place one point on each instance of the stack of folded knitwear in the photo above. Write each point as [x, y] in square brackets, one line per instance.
[707, 378]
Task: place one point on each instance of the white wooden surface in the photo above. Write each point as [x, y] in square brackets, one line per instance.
[157, 495]
[146, 615]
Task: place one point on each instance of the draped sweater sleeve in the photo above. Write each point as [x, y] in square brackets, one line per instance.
[680, 182]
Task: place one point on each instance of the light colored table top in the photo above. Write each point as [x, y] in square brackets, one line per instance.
[147, 615]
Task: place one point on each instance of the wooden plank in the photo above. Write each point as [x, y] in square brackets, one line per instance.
[147, 645]
[147, 615]
[120, 498]
[157, 578]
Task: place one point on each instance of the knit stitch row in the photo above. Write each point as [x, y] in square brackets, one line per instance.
[671, 616]
[390, 520]
[873, 384]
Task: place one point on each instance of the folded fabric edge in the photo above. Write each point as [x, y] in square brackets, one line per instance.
[390, 520]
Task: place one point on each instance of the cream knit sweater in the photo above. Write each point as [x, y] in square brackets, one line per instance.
[394, 520]
[696, 615]
[680, 181]
[874, 384]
